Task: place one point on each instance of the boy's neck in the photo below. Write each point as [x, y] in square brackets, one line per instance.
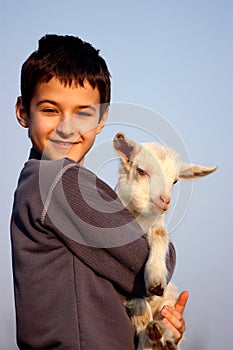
[34, 154]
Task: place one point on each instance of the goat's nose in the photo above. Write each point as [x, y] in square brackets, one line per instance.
[165, 199]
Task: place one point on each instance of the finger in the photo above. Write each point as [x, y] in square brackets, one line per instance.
[177, 333]
[181, 302]
[173, 317]
[174, 322]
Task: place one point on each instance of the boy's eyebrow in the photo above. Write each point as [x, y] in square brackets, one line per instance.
[76, 107]
[46, 101]
[83, 107]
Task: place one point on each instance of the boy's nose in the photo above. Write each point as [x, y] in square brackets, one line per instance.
[67, 128]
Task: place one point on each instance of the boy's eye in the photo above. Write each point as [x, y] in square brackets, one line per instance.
[84, 114]
[87, 112]
[49, 110]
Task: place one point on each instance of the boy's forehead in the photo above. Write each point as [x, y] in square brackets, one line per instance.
[56, 90]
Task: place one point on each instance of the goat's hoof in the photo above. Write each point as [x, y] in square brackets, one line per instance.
[155, 331]
[170, 346]
[156, 290]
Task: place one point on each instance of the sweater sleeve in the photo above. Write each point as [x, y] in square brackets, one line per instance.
[86, 214]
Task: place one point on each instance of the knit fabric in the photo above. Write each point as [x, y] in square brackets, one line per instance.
[77, 253]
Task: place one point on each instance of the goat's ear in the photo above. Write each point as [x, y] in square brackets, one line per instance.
[193, 171]
[125, 147]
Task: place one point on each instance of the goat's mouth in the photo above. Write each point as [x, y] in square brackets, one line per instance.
[160, 208]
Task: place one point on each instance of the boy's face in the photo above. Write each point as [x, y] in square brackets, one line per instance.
[63, 120]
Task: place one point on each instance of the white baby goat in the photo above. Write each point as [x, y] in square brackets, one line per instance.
[148, 172]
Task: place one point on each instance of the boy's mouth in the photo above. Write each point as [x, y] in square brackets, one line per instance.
[64, 143]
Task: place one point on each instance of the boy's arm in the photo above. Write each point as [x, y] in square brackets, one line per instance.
[89, 218]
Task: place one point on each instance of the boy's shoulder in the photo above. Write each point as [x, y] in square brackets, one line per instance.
[44, 172]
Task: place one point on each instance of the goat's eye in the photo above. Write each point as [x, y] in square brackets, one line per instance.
[175, 182]
[141, 172]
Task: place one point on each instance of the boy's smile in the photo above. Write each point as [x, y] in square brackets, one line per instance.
[63, 120]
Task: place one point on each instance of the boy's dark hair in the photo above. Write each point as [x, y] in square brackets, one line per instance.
[69, 59]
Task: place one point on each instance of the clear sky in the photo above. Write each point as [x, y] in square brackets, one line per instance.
[172, 59]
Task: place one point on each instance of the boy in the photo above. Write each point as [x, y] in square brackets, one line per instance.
[77, 253]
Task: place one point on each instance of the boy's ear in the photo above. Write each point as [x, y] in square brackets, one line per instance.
[102, 122]
[21, 113]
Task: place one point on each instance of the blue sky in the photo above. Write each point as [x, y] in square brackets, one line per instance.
[173, 61]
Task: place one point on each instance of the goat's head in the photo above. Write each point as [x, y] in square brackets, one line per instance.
[148, 172]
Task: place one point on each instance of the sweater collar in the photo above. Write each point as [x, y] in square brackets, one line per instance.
[34, 154]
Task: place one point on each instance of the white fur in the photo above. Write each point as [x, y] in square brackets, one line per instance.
[148, 172]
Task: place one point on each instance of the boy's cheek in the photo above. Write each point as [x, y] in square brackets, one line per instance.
[85, 126]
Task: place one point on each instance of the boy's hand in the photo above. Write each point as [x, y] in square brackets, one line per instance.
[173, 317]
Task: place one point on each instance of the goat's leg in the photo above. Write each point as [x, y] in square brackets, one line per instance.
[169, 298]
[159, 336]
[157, 333]
[140, 314]
[156, 270]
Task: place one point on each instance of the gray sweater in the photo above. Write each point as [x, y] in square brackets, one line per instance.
[77, 254]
